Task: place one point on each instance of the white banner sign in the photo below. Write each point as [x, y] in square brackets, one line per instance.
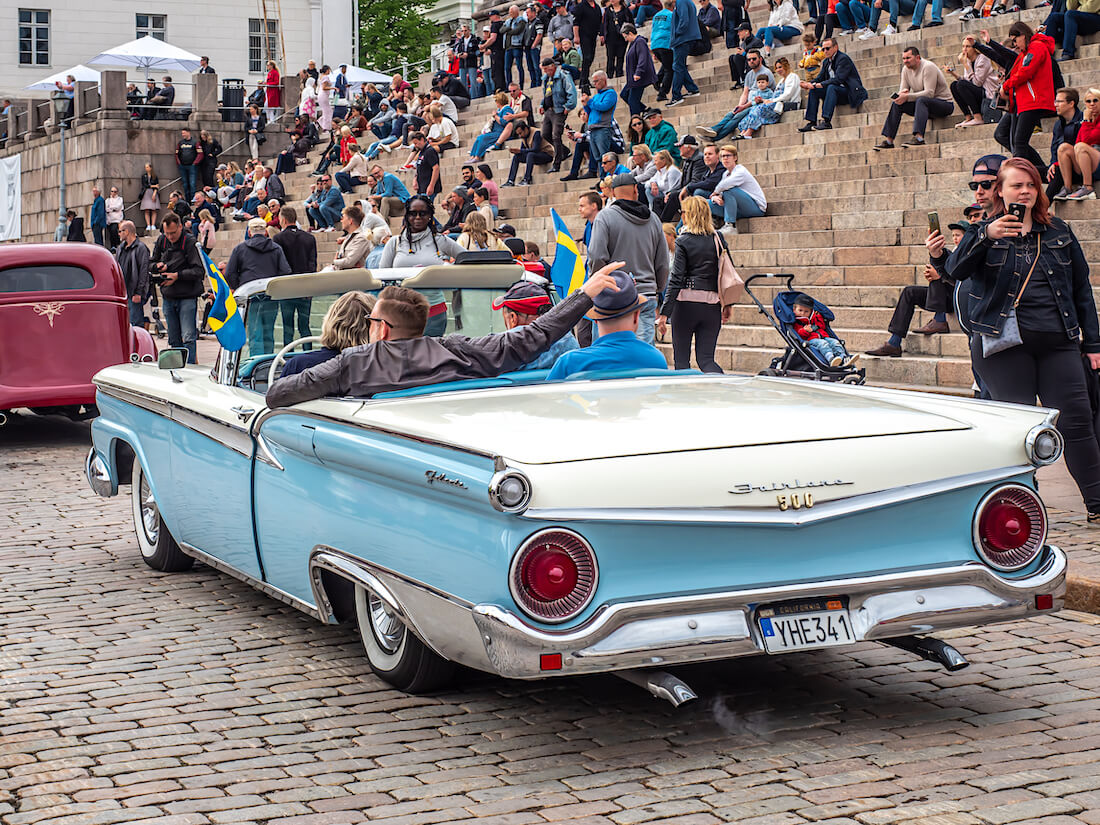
[11, 197]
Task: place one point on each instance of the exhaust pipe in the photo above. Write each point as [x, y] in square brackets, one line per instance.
[933, 650]
[661, 684]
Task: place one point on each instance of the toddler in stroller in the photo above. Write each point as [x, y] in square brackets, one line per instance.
[812, 328]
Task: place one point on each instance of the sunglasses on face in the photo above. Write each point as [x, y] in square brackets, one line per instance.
[984, 184]
[373, 319]
[418, 213]
[1092, 100]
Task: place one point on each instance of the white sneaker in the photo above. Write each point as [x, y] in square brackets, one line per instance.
[891, 29]
[387, 148]
[843, 32]
[867, 34]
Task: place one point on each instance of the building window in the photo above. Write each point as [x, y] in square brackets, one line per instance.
[34, 37]
[152, 24]
[262, 46]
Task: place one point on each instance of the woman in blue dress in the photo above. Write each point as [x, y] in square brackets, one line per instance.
[496, 126]
[786, 95]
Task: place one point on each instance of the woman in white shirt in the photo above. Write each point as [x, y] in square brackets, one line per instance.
[114, 206]
[442, 133]
[324, 98]
[666, 178]
[737, 195]
[783, 24]
[772, 103]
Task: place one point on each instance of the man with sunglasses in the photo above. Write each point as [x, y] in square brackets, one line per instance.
[389, 193]
[400, 356]
[523, 304]
[936, 297]
[328, 204]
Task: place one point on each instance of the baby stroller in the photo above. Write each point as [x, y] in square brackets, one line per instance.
[798, 360]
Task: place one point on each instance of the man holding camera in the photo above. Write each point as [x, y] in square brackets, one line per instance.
[178, 269]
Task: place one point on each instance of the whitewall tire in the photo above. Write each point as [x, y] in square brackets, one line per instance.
[158, 549]
[395, 654]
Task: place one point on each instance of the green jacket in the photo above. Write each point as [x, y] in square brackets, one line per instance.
[663, 137]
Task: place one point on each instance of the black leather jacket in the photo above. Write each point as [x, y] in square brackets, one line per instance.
[992, 280]
[694, 266]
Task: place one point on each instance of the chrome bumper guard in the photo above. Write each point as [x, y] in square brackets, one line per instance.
[98, 475]
[680, 630]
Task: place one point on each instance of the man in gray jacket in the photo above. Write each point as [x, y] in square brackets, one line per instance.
[628, 231]
[133, 260]
[400, 356]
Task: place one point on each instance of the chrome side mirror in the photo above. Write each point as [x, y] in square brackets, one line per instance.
[171, 359]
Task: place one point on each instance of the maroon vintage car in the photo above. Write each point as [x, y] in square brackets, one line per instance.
[63, 317]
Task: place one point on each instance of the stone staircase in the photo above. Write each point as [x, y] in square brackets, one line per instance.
[848, 222]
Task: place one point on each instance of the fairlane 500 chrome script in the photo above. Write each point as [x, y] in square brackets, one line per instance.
[777, 486]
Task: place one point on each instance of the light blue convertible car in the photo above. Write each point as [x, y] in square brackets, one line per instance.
[615, 522]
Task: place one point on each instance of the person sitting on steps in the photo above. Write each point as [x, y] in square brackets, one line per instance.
[923, 93]
[837, 81]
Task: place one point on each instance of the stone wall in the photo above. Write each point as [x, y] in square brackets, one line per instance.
[105, 148]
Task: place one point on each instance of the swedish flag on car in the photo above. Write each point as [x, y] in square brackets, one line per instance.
[567, 271]
[224, 319]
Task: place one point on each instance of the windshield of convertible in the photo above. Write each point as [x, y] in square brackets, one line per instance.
[273, 324]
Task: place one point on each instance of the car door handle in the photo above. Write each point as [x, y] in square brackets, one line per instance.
[243, 413]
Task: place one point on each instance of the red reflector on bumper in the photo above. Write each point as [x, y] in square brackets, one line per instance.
[1044, 602]
[550, 661]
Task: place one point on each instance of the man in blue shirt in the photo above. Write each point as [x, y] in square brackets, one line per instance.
[618, 348]
[522, 304]
[389, 193]
[98, 217]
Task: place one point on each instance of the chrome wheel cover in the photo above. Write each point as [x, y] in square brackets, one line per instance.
[150, 514]
[387, 628]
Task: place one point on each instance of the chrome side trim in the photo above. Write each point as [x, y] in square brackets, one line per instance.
[441, 620]
[252, 581]
[138, 399]
[263, 416]
[721, 625]
[233, 436]
[771, 516]
[264, 453]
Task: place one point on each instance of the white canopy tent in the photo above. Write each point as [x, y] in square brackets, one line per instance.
[81, 72]
[355, 75]
[148, 53]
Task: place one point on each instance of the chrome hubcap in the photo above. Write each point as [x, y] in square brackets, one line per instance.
[150, 515]
[388, 630]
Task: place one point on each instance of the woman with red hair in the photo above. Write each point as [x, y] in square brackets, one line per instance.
[1031, 304]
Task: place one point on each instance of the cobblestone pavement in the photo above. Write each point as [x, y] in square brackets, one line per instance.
[128, 696]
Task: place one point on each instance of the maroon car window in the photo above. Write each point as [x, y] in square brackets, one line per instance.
[44, 278]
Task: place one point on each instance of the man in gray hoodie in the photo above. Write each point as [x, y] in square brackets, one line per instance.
[628, 231]
[256, 257]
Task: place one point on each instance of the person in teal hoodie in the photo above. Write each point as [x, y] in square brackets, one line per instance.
[661, 134]
[660, 41]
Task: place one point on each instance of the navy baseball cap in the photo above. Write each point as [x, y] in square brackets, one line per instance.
[991, 164]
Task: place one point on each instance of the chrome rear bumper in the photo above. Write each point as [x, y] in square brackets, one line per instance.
[679, 630]
[98, 475]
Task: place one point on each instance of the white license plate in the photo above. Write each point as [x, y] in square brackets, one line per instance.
[804, 629]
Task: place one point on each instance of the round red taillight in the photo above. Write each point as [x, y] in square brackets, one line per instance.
[554, 575]
[1010, 527]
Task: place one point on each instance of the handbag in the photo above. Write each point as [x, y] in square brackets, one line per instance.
[1009, 336]
[730, 285]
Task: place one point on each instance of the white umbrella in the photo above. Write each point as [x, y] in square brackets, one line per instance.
[356, 75]
[82, 73]
[148, 53]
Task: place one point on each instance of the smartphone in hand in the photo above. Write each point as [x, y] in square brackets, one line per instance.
[1016, 210]
[933, 222]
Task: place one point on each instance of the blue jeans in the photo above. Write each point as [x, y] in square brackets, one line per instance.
[262, 312]
[513, 56]
[771, 33]
[137, 313]
[853, 15]
[727, 124]
[736, 203]
[533, 69]
[483, 142]
[1077, 22]
[681, 78]
[900, 7]
[918, 11]
[301, 307]
[468, 78]
[827, 349]
[189, 179]
[376, 147]
[633, 99]
[382, 130]
[599, 144]
[644, 13]
[180, 316]
[325, 216]
[647, 323]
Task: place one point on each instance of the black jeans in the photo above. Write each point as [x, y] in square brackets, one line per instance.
[936, 297]
[704, 321]
[664, 76]
[588, 54]
[738, 64]
[921, 109]
[616, 52]
[1014, 134]
[1048, 364]
[969, 96]
[532, 159]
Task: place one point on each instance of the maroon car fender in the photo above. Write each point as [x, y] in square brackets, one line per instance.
[142, 344]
